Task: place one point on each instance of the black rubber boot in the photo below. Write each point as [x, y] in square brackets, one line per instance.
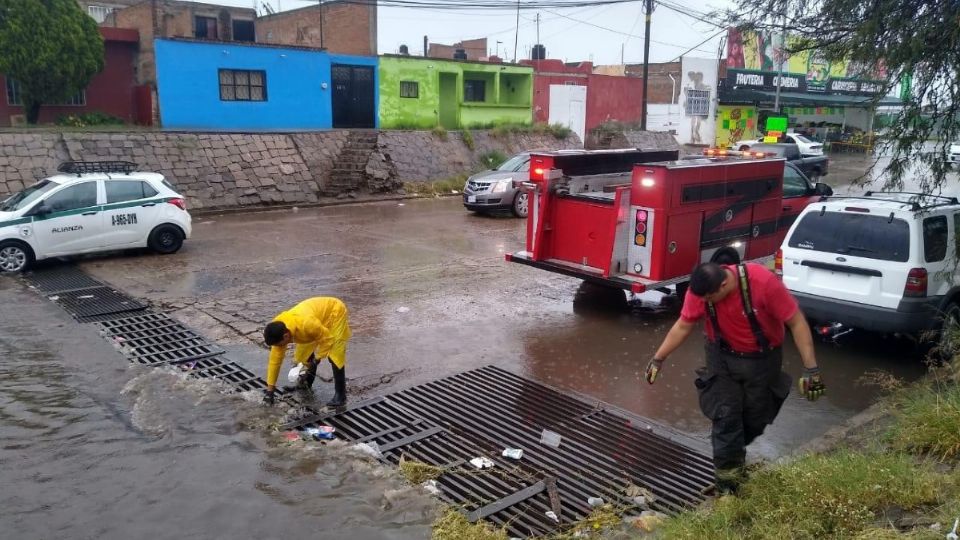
[339, 387]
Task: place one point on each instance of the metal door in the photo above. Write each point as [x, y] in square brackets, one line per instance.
[568, 107]
[353, 103]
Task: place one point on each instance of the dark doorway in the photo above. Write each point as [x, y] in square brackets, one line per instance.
[353, 103]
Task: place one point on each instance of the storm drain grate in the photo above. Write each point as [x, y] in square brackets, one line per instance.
[602, 453]
[96, 301]
[60, 279]
[229, 372]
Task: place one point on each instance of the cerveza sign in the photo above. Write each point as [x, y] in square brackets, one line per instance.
[789, 82]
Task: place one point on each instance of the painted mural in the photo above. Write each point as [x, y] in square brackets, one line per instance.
[735, 123]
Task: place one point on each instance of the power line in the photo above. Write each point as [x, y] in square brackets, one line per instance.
[621, 33]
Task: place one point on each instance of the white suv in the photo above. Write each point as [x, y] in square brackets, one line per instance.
[885, 262]
[92, 206]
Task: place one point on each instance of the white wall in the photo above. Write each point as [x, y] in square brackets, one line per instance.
[664, 117]
[700, 74]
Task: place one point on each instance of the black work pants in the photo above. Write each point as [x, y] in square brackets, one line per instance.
[741, 396]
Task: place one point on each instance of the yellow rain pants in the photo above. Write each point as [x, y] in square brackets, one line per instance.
[319, 326]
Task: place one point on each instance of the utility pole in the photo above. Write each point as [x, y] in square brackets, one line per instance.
[538, 28]
[783, 43]
[321, 23]
[648, 6]
[516, 35]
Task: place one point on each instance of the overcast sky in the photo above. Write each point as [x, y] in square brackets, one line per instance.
[595, 33]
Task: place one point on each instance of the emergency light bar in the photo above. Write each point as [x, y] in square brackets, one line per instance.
[723, 152]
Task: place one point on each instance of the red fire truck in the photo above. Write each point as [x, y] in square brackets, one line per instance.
[641, 220]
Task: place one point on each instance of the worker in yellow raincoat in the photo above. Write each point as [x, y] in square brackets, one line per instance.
[319, 329]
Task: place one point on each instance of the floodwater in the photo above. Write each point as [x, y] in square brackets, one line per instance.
[94, 448]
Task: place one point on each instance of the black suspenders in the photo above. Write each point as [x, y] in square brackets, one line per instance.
[762, 342]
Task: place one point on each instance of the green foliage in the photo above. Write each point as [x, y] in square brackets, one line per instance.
[927, 421]
[838, 495]
[94, 118]
[453, 525]
[468, 139]
[439, 132]
[913, 39]
[492, 159]
[449, 186]
[503, 130]
[51, 47]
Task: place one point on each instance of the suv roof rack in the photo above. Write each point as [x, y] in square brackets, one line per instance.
[914, 204]
[918, 194]
[82, 167]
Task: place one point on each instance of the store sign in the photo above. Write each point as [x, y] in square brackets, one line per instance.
[762, 80]
[854, 87]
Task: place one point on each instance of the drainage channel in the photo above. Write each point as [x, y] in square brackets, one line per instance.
[603, 452]
[142, 335]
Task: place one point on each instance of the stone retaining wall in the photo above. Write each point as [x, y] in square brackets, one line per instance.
[224, 170]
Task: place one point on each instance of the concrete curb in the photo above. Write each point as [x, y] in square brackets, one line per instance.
[204, 212]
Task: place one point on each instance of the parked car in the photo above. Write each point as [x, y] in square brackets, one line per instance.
[813, 167]
[91, 207]
[884, 262]
[955, 153]
[806, 146]
[499, 188]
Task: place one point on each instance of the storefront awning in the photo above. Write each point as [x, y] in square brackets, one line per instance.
[766, 97]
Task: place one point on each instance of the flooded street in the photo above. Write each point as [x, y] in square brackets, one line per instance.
[97, 448]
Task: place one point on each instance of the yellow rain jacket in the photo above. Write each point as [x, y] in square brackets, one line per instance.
[319, 326]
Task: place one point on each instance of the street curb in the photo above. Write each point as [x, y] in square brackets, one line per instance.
[319, 204]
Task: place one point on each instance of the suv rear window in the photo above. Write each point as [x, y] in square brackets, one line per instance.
[935, 238]
[858, 235]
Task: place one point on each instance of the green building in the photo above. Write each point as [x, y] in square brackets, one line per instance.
[422, 93]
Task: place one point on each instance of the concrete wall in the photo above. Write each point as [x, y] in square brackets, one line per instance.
[347, 28]
[228, 170]
[298, 93]
[698, 74]
[508, 99]
[111, 91]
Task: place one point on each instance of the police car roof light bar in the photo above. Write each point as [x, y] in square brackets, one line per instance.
[83, 167]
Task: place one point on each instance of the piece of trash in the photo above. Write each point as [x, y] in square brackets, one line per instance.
[640, 501]
[513, 453]
[552, 516]
[482, 462]
[324, 433]
[649, 520]
[550, 438]
[371, 449]
[291, 435]
[636, 492]
[952, 535]
[431, 487]
[400, 204]
[54, 298]
[595, 501]
[294, 374]
[403, 309]
[935, 527]
[295, 209]
[84, 297]
[454, 192]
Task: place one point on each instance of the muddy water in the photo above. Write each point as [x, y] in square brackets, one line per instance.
[91, 447]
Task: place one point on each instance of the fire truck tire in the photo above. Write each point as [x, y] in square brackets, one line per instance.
[521, 205]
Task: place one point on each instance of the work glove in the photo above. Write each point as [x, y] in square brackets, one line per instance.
[269, 397]
[653, 370]
[810, 384]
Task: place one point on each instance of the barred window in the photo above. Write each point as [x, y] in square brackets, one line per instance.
[474, 90]
[698, 102]
[243, 85]
[409, 89]
[15, 96]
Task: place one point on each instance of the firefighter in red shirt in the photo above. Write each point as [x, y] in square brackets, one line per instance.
[742, 387]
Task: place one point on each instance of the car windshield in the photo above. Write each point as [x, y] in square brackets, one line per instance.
[513, 163]
[858, 235]
[26, 197]
[802, 139]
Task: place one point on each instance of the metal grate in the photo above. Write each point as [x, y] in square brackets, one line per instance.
[60, 279]
[226, 371]
[96, 301]
[483, 411]
[154, 338]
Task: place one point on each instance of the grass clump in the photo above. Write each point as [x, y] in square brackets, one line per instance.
[453, 525]
[439, 132]
[468, 141]
[418, 472]
[927, 421]
[449, 186]
[492, 159]
[838, 495]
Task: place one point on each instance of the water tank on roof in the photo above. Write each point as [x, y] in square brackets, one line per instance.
[460, 54]
[539, 52]
[404, 50]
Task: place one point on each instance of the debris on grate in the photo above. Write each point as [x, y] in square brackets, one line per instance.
[96, 301]
[60, 279]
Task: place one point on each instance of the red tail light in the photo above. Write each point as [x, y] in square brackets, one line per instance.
[916, 283]
[537, 173]
[179, 203]
[778, 263]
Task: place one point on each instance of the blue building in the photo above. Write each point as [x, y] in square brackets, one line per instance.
[250, 87]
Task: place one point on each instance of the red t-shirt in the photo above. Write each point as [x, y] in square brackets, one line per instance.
[772, 302]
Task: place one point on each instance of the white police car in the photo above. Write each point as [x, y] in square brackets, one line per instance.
[92, 206]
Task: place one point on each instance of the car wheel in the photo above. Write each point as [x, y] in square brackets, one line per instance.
[521, 204]
[15, 256]
[165, 239]
[949, 343]
[744, 148]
